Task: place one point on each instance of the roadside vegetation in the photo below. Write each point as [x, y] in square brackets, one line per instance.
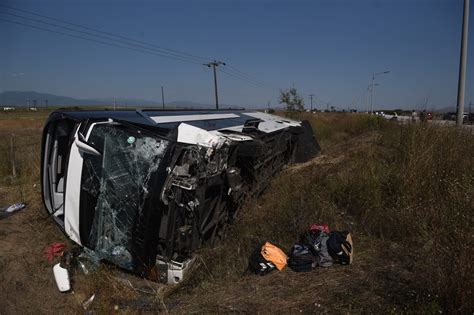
[404, 191]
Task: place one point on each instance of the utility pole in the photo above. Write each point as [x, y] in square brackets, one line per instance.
[372, 97]
[462, 64]
[311, 97]
[372, 89]
[115, 104]
[163, 97]
[367, 99]
[215, 64]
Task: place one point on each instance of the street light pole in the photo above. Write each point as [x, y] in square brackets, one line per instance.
[372, 89]
[462, 65]
[215, 64]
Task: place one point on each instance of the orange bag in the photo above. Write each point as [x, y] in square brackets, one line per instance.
[275, 255]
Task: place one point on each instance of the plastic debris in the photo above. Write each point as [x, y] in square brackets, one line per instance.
[88, 302]
[61, 275]
[83, 267]
[54, 250]
[8, 211]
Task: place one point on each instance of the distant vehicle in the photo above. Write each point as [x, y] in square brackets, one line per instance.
[8, 109]
[470, 118]
[449, 116]
[145, 189]
[453, 116]
[391, 116]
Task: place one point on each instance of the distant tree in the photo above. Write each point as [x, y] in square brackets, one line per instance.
[291, 99]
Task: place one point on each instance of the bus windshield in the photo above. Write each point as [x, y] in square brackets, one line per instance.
[114, 188]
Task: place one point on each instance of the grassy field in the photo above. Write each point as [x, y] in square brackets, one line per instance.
[404, 191]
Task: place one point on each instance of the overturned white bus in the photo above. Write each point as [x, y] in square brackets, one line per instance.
[144, 189]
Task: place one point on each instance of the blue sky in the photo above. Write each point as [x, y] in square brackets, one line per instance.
[327, 48]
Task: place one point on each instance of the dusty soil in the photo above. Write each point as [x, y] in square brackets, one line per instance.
[26, 282]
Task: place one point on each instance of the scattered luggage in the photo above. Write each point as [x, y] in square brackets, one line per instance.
[317, 239]
[317, 248]
[258, 264]
[275, 255]
[319, 227]
[340, 247]
[301, 258]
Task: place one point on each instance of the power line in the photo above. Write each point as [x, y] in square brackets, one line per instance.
[245, 74]
[233, 71]
[144, 47]
[96, 41]
[230, 74]
[201, 59]
[236, 75]
[161, 53]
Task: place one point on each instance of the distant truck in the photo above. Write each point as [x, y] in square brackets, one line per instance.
[145, 189]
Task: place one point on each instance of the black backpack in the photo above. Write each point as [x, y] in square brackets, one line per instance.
[258, 264]
[301, 258]
[340, 247]
[317, 241]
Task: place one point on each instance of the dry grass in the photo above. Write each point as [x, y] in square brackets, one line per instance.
[405, 191]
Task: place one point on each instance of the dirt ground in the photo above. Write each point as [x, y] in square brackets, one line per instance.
[377, 281]
[26, 281]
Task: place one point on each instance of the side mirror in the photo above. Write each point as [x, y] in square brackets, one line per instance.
[83, 146]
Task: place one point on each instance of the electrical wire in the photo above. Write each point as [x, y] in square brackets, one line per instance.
[91, 34]
[244, 74]
[96, 41]
[241, 78]
[130, 43]
[202, 59]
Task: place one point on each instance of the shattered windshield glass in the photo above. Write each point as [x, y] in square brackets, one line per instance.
[114, 188]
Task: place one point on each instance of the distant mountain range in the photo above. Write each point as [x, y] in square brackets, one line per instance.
[22, 98]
